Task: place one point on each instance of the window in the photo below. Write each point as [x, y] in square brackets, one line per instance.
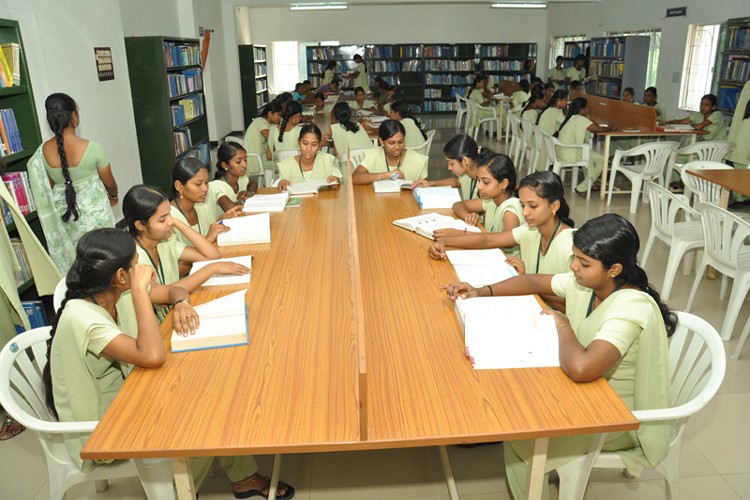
[285, 67]
[698, 69]
[653, 53]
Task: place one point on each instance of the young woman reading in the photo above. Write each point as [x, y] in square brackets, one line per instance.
[392, 160]
[462, 154]
[311, 163]
[231, 185]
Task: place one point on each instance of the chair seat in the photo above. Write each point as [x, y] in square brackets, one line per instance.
[692, 231]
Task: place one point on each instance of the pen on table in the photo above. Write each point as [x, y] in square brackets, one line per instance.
[394, 177]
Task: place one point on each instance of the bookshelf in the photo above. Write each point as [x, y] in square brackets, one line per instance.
[431, 74]
[20, 99]
[253, 80]
[618, 62]
[170, 120]
[318, 57]
[571, 50]
[734, 66]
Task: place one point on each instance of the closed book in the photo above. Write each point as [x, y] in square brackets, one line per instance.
[12, 53]
[223, 323]
[247, 230]
[436, 197]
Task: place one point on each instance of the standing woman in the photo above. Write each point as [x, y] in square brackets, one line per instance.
[329, 73]
[72, 183]
[286, 134]
[415, 135]
[256, 136]
[392, 160]
[347, 133]
[311, 163]
[360, 74]
[231, 186]
[462, 154]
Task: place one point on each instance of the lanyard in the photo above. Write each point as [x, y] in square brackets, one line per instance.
[299, 162]
[385, 157]
[179, 208]
[159, 270]
[539, 252]
[473, 187]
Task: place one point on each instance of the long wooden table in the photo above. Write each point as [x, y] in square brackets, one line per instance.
[731, 179]
[353, 346]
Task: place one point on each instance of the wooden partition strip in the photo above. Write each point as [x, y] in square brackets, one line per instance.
[621, 115]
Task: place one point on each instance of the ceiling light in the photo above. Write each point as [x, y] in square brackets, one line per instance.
[510, 4]
[319, 6]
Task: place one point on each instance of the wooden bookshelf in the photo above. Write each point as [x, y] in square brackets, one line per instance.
[153, 62]
[253, 80]
[618, 62]
[733, 69]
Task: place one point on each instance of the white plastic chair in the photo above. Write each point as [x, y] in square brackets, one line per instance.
[558, 165]
[697, 362]
[474, 110]
[255, 168]
[539, 146]
[681, 237]
[703, 150]
[282, 154]
[725, 249]
[460, 110]
[59, 294]
[424, 148]
[705, 191]
[22, 362]
[516, 140]
[657, 154]
[528, 148]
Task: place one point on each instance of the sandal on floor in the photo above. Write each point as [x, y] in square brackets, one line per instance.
[288, 490]
[10, 429]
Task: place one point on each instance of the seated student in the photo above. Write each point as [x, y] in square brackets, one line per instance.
[393, 95]
[577, 87]
[649, 99]
[554, 114]
[284, 136]
[311, 163]
[574, 130]
[615, 326]
[375, 88]
[479, 92]
[497, 199]
[384, 95]
[360, 101]
[284, 99]
[536, 82]
[256, 136]
[330, 72]
[347, 133]
[90, 353]
[415, 134]
[556, 74]
[708, 118]
[549, 89]
[519, 97]
[393, 160]
[545, 241]
[300, 92]
[577, 72]
[319, 102]
[329, 88]
[231, 185]
[628, 95]
[462, 154]
[533, 106]
[188, 201]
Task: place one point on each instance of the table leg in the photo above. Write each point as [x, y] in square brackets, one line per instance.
[275, 473]
[605, 166]
[724, 198]
[156, 477]
[500, 123]
[535, 479]
[183, 478]
[448, 472]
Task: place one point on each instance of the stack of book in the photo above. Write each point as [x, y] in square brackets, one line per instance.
[9, 133]
[18, 187]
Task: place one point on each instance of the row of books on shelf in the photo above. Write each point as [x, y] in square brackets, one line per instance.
[202, 152]
[35, 312]
[260, 69]
[438, 79]
[389, 52]
[394, 66]
[23, 273]
[182, 140]
[439, 106]
[189, 80]
[259, 53]
[495, 50]
[448, 65]
[9, 133]
[176, 54]
[322, 53]
[503, 65]
[611, 69]
[261, 86]
[10, 65]
[737, 68]
[441, 51]
[433, 93]
[728, 97]
[739, 39]
[18, 186]
[608, 48]
[261, 100]
[186, 109]
[607, 89]
[515, 78]
[572, 51]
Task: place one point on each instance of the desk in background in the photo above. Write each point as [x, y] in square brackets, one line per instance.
[733, 179]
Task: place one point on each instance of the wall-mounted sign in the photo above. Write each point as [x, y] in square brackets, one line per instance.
[677, 12]
[105, 69]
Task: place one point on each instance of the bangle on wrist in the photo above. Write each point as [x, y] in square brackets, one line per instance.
[180, 300]
[489, 287]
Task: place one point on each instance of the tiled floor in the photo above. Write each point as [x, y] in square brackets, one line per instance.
[715, 461]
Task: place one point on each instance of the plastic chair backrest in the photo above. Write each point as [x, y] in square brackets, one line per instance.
[254, 164]
[665, 206]
[59, 294]
[724, 234]
[656, 153]
[708, 150]
[282, 154]
[706, 191]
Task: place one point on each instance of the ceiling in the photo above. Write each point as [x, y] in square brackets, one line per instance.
[285, 3]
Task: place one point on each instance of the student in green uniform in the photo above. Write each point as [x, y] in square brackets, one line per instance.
[90, 354]
[231, 185]
[574, 130]
[577, 72]
[311, 163]
[285, 135]
[628, 95]
[415, 134]
[188, 200]
[549, 91]
[462, 154]
[256, 136]
[649, 99]
[392, 160]
[319, 102]
[709, 119]
[556, 74]
[347, 133]
[615, 326]
[482, 95]
[533, 106]
[329, 73]
[360, 101]
[577, 87]
[519, 97]
[554, 114]
[360, 74]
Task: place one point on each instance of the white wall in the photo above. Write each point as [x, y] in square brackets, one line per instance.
[615, 15]
[150, 18]
[59, 39]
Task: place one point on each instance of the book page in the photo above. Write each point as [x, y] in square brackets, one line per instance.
[493, 256]
[309, 187]
[412, 223]
[266, 203]
[225, 279]
[247, 230]
[223, 323]
[437, 197]
[390, 185]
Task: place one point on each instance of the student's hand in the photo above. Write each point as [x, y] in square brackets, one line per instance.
[228, 268]
[561, 320]
[461, 291]
[214, 229]
[185, 319]
[231, 213]
[141, 276]
[437, 250]
[243, 195]
[516, 264]
[333, 178]
[397, 173]
[447, 233]
[421, 183]
[472, 219]
[283, 184]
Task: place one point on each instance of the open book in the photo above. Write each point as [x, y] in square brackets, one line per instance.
[225, 279]
[436, 197]
[223, 323]
[391, 185]
[480, 267]
[508, 332]
[266, 203]
[425, 225]
[308, 188]
[247, 230]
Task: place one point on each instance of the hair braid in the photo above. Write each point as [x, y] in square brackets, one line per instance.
[70, 192]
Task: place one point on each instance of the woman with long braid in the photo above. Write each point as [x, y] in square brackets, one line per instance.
[286, 134]
[72, 183]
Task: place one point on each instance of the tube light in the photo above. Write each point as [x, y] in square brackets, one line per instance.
[519, 5]
[319, 6]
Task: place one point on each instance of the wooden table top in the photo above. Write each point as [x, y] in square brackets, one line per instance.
[339, 323]
[733, 179]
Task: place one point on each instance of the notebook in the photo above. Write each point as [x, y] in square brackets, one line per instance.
[266, 203]
[247, 230]
[223, 323]
[425, 225]
[225, 279]
[436, 197]
[309, 188]
[391, 185]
